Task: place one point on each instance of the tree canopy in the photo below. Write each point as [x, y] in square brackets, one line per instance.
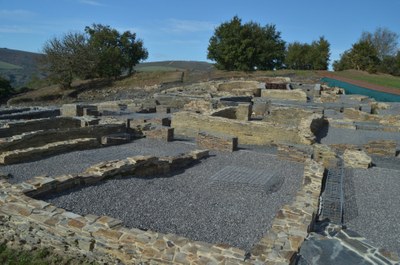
[246, 47]
[5, 88]
[100, 51]
[374, 52]
[304, 56]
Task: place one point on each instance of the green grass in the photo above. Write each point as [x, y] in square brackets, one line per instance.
[377, 79]
[42, 256]
[8, 66]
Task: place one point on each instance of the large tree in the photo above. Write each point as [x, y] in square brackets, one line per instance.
[384, 41]
[68, 57]
[99, 52]
[5, 88]
[304, 56]
[362, 56]
[246, 47]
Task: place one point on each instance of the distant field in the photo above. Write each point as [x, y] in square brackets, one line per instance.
[8, 66]
[377, 79]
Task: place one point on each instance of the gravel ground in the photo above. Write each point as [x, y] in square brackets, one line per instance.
[349, 136]
[187, 203]
[375, 210]
[76, 162]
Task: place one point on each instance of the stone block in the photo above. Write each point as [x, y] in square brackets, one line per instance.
[294, 153]
[90, 111]
[163, 109]
[217, 141]
[294, 95]
[72, 110]
[381, 147]
[356, 159]
[243, 112]
[162, 133]
[114, 139]
[85, 122]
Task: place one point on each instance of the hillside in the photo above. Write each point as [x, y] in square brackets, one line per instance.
[19, 66]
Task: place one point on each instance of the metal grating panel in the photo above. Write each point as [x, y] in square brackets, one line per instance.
[243, 175]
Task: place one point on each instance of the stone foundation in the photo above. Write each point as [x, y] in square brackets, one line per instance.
[160, 132]
[294, 95]
[250, 132]
[220, 142]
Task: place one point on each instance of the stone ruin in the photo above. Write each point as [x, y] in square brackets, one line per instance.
[332, 137]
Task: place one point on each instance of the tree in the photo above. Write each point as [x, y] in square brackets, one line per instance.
[133, 50]
[246, 47]
[303, 56]
[297, 56]
[116, 52]
[67, 57]
[362, 56]
[5, 88]
[384, 41]
[320, 54]
[99, 52]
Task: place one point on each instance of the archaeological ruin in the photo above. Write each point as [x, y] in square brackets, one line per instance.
[220, 172]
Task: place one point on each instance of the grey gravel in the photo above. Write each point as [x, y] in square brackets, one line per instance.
[349, 136]
[375, 212]
[191, 203]
[76, 162]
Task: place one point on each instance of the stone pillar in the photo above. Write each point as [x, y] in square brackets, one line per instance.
[243, 112]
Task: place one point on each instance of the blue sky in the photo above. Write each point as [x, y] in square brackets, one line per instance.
[180, 30]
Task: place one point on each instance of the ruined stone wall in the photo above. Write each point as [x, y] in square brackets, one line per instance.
[41, 138]
[250, 132]
[15, 128]
[294, 95]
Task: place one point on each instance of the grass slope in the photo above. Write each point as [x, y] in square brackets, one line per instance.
[8, 66]
[19, 66]
[10, 256]
[377, 79]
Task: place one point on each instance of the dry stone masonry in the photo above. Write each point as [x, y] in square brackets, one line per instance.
[328, 132]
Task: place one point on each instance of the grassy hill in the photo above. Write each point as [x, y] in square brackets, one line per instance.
[376, 79]
[19, 66]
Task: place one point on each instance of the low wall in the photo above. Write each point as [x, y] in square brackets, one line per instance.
[248, 132]
[40, 138]
[294, 95]
[14, 128]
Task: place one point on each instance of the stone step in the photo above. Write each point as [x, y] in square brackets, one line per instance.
[36, 153]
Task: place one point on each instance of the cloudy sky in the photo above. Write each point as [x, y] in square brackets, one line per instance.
[180, 30]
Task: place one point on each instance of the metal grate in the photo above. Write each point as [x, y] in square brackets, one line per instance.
[243, 175]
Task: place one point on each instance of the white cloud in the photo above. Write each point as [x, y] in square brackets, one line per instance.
[15, 29]
[91, 2]
[15, 14]
[187, 26]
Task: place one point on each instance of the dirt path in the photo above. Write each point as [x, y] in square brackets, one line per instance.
[361, 83]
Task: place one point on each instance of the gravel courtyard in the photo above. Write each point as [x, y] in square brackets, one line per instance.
[227, 198]
[373, 206]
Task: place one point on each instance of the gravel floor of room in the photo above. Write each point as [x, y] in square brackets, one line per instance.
[203, 202]
[373, 204]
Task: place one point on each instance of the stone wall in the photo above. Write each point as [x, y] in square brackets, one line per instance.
[250, 132]
[40, 138]
[294, 95]
[220, 142]
[54, 148]
[293, 222]
[20, 127]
